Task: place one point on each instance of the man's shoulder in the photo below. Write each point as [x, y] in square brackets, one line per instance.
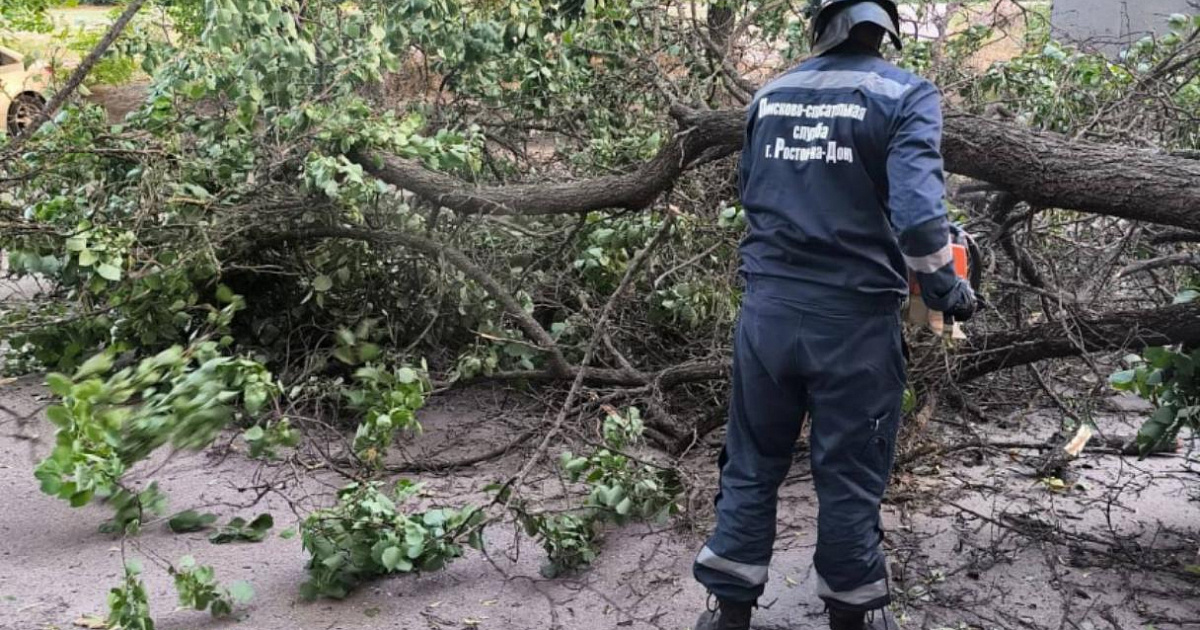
[891, 71]
[878, 76]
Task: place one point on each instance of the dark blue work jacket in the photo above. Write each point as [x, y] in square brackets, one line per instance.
[842, 182]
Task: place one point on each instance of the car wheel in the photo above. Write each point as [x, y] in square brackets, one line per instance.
[23, 110]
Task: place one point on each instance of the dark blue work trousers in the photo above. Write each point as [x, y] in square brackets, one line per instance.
[841, 362]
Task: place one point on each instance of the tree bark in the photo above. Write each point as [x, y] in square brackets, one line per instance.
[1044, 168]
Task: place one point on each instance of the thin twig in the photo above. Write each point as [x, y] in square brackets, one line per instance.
[630, 273]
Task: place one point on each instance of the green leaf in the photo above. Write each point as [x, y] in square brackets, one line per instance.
[1158, 357]
[322, 283]
[613, 496]
[431, 564]
[81, 498]
[262, 522]
[288, 533]
[190, 521]
[224, 294]
[391, 558]
[624, 506]
[343, 354]
[59, 415]
[407, 375]
[59, 384]
[241, 591]
[76, 243]
[1122, 378]
[254, 433]
[434, 518]
[109, 272]
[368, 351]
[310, 591]
[1156, 430]
[576, 465]
[87, 258]
[97, 364]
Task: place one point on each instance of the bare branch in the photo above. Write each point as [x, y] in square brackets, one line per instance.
[1174, 260]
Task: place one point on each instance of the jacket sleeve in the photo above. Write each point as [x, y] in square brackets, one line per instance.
[916, 188]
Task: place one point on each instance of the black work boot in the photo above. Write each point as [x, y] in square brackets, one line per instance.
[881, 619]
[727, 616]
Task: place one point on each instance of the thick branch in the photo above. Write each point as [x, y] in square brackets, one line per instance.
[1043, 168]
[702, 137]
[1118, 330]
[1176, 236]
[1003, 206]
[1122, 330]
[1049, 170]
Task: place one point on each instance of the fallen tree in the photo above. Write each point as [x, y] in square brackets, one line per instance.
[232, 221]
[273, 203]
[1040, 167]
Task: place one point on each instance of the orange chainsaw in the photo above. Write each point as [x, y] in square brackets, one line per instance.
[967, 267]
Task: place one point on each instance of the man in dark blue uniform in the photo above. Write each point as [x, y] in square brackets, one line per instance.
[842, 184]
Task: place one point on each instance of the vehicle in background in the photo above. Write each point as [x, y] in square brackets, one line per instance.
[22, 91]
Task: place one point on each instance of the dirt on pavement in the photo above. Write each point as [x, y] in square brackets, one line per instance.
[974, 542]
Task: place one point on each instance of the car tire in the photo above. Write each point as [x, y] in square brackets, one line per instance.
[22, 111]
